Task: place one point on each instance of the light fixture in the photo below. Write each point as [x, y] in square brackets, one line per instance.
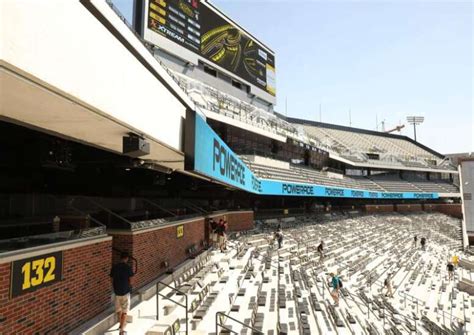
[415, 120]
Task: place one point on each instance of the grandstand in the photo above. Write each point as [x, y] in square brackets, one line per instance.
[258, 288]
[134, 141]
[354, 145]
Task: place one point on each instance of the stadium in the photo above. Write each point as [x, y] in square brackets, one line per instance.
[155, 146]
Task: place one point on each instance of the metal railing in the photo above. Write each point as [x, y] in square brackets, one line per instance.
[101, 207]
[159, 207]
[417, 301]
[220, 319]
[158, 294]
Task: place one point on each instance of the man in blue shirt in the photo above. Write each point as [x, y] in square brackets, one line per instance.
[121, 274]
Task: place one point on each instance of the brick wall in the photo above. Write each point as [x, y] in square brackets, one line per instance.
[449, 209]
[429, 207]
[379, 208]
[237, 221]
[408, 208]
[151, 247]
[83, 293]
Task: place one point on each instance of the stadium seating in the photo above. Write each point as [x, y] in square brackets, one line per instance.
[362, 143]
[285, 291]
[213, 100]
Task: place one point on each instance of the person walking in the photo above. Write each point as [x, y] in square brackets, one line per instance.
[121, 274]
[455, 260]
[213, 227]
[220, 235]
[225, 227]
[423, 243]
[320, 250]
[336, 285]
[388, 286]
[450, 268]
[279, 236]
[415, 240]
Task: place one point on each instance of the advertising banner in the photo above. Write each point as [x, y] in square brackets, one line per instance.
[196, 26]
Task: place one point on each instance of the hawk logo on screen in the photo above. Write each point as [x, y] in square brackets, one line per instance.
[229, 48]
[222, 45]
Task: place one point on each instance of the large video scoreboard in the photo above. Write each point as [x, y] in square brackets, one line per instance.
[197, 26]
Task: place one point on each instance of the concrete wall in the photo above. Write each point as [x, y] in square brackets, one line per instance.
[466, 176]
[64, 47]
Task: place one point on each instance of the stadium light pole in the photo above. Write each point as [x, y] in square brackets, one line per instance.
[415, 121]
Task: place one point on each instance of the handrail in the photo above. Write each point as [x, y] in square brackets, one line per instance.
[416, 300]
[278, 293]
[194, 207]
[264, 258]
[219, 323]
[366, 303]
[103, 208]
[78, 210]
[451, 317]
[158, 294]
[158, 206]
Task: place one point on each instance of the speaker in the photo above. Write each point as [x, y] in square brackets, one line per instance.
[135, 146]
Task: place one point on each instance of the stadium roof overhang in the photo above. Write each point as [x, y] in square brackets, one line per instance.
[76, 92]
[243, 125]
[33, 104]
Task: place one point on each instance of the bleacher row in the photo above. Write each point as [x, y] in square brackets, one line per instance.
[285, 291]
[383, 183]
[349, 141]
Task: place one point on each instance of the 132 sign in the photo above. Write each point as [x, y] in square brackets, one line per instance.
[35, 272]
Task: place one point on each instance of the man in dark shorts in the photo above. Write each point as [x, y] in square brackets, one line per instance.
[279, 236]
[423, 243]
[450, 268]
[121, 274]
[387, 284]
[415, 239]
[321, 251]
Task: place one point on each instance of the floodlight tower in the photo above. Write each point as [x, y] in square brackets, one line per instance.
[415, 121]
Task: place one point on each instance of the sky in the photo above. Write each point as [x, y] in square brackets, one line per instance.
[368, 61]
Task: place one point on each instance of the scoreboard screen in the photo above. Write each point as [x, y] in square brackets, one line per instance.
[197, 27]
